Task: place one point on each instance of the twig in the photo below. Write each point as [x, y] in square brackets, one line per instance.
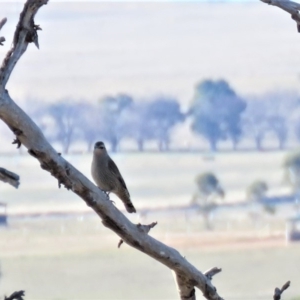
[2, 38]
[9, 177]
[212, 272]
[16, 296]
[120, 243]
[146, 228]
[278, 292]
[142, 228]
[2, 22]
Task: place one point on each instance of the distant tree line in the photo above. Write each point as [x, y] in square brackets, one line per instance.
[216, 112]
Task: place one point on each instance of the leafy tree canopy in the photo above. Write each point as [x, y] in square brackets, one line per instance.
[208, 184]
[292, 167]
[216, 110]
[257, 190]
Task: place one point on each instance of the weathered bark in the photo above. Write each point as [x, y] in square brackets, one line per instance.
[9, 177]
[29, 135]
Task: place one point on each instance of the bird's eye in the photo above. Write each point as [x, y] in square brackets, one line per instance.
[101, 147]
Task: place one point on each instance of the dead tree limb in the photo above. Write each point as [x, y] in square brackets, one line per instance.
[289, 6]
[29, 135]
[9, 177]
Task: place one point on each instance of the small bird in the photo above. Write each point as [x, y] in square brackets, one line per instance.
[108, 177]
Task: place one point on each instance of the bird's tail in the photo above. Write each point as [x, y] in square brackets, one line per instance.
[125, 197]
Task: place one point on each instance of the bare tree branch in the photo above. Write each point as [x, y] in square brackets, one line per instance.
[9, 177]
[33, 139]
[289, 6]
[212, 272]
[278, 292]
[26, 32]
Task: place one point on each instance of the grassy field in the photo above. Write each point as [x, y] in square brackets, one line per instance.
[153, 179]
[77, 258]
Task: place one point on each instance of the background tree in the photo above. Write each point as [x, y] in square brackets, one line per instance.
[292, 170]
[151, 120]
[297, 128]
[257, 190]
[66, 122]
[111, 110]
[216, 112]
[256, 194]
[254, 121]
[280, 108]
[270, 113]
[135, 124]
[278, 124]
[208, 191]
[163, 114]
[90, 124]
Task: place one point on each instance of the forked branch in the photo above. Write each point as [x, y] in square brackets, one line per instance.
[26, 32]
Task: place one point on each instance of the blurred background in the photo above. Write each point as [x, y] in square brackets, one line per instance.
[199, 106]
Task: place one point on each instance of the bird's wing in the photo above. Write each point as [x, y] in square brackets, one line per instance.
[114, 169]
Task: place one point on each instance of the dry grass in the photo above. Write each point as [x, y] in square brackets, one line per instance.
[72, 259]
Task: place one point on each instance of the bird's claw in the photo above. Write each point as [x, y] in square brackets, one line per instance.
[107, 195]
